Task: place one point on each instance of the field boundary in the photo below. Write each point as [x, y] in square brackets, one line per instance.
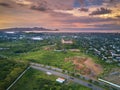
[18, 77]
[109, 83]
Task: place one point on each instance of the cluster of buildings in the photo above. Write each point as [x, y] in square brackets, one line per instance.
[105, 47]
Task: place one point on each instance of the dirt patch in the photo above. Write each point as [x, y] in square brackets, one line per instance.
[86, 66]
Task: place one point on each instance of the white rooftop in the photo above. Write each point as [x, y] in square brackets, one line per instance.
[60, 80]
[37, 38]
[10, 32]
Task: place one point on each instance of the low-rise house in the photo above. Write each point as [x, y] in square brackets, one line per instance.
[66, 41]
[60, 80]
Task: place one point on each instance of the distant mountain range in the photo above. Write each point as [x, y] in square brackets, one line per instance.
[29, 29]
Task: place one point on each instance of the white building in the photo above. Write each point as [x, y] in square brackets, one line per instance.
[60, 80]
[66, 41]
[37, 38]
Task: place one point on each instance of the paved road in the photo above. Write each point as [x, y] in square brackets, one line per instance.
[76, 80]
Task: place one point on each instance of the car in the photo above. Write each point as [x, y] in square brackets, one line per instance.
[48, 73]
[71, 78]
[90, 85]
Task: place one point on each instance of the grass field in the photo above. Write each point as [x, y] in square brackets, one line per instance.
[51, 58]
[37, 80]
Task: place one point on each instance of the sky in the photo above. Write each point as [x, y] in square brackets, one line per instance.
[65, 15]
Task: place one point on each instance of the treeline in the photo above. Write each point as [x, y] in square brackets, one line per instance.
[9, 71]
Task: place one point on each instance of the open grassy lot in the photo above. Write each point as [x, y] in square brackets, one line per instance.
[37, 80]
[51, 58]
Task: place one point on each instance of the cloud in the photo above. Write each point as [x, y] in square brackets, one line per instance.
[101, 11]
[53, 4]
[60, 14]
[84, 9]
[22, 2]
[111, 3]
[39, 8]
[42, 5]
[5, 5]
[77, 12]
[118, 16]
[111, 25]
[88, 20]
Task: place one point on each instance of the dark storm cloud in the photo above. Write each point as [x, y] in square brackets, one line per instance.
[100, 11]
[5, 5]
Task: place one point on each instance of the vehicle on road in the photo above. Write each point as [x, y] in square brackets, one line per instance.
[90, 85]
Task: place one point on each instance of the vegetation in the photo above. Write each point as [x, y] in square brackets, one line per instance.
[19, 51]
[50, 58]
[9, 71]
[37, 80]
[33, 51]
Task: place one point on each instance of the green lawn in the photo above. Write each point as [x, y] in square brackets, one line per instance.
[38, 80]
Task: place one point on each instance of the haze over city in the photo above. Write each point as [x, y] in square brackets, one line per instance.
[65, 15]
